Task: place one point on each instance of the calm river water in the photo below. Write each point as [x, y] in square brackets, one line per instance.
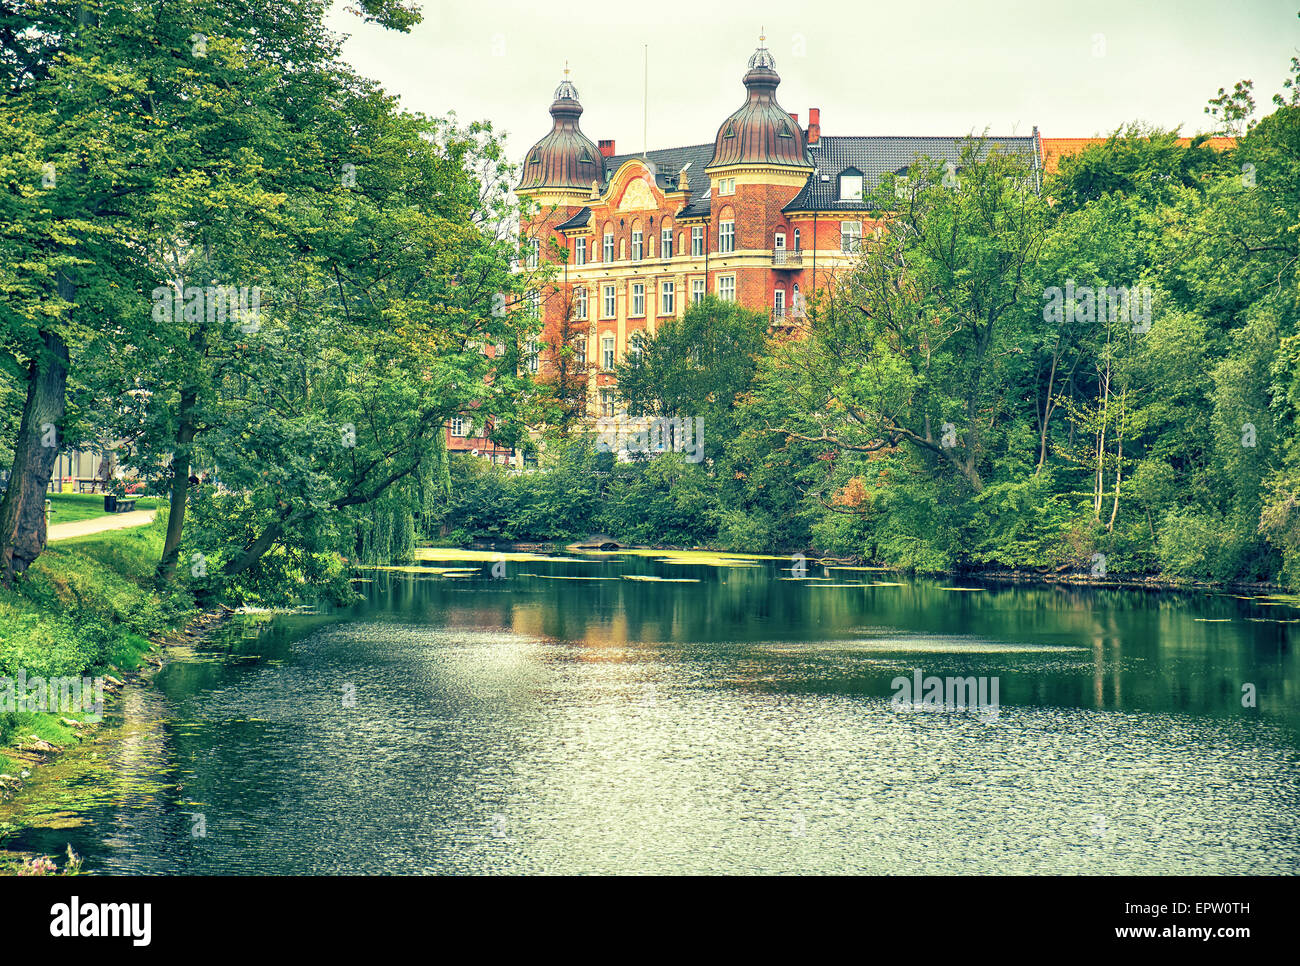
[723, 719]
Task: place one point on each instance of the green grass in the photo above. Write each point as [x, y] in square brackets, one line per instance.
[70, 507]
[21, 725]
[87, 606]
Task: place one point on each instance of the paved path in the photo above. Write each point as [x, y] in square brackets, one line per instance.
[110, 521]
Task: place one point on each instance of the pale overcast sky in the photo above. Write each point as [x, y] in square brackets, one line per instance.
[909, 67]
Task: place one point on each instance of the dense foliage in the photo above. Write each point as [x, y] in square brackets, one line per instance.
[269, 287]
[251, 273]
[1096, 373]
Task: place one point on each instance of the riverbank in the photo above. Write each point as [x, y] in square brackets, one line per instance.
[1122, 582]
[1037, 577]
[86, 608]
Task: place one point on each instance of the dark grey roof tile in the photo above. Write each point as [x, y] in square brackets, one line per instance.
[668, 164]
[579, 220]
[878, 156]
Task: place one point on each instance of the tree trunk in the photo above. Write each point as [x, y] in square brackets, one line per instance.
[1119, 458]
[180, 489]
[1099, 479]
[22, 513]
[255, 550]
[1047, 410]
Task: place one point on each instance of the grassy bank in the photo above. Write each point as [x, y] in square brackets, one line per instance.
[86, 607]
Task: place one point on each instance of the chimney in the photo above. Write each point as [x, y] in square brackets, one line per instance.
[796, 118]
[607, 149]
[814, 124]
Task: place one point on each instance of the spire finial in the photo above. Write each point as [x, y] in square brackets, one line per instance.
[762, 57]
[566, 90]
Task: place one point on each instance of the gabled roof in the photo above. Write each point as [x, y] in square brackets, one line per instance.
[878, 156]
[668, 164]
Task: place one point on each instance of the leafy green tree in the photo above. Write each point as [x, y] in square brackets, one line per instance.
[697, 365]
[915, 346]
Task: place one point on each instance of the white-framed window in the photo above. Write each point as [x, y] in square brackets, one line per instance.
[533, 303]
[607, 353]
[580, 302]
[796, 239]
[850, 236]
[634, 348]
[580, 350]
[666, 243]
[636, 244]
[697, 241]
[796, 301]
[534, 252]
[667, 298]
[580, 251]
[533, 355]
[726, 186]
[607, 402]
[609, 304]
[726, 236]
[851, 185]
[638, 299]
[778, 241]
[501, 348]
[727, 288]
[778, 304]
[609, 244]
[697, 291]
[458, 427]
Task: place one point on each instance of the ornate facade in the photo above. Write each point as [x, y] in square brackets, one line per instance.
[765, 214]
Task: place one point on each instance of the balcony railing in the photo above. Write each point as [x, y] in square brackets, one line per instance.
[786, 258]
[788, 316]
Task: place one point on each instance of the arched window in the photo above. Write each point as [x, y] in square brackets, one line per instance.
[796, 239]
[796, 301]
[726, 231]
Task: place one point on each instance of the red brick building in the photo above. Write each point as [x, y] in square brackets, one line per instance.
[765, 214]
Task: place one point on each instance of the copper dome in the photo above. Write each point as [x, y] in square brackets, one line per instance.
[761, 132]
[565, 158]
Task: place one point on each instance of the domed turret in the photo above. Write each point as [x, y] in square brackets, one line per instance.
[565, 158]
[761, 132]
